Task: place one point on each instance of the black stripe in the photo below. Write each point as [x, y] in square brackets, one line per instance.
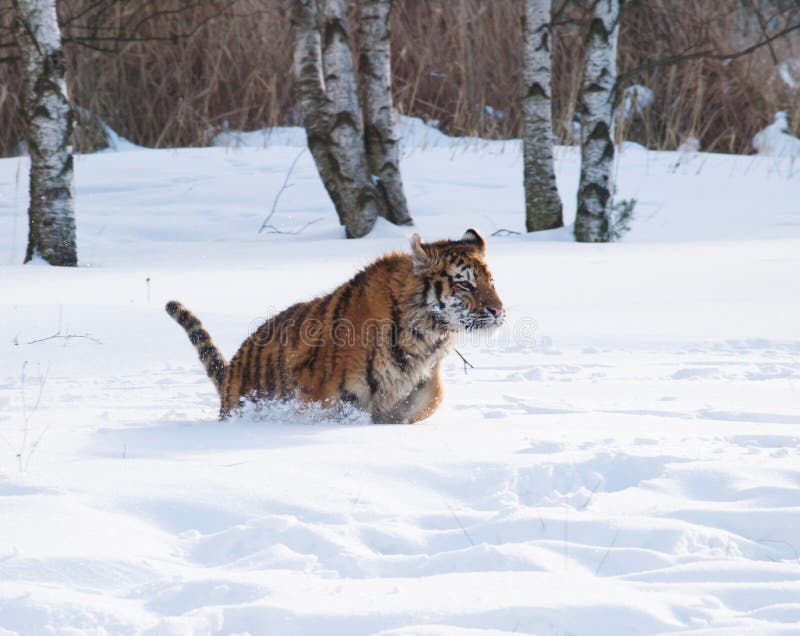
[343, 301]
[390, 265]
[322, 309]
[426, 285]
[217, 370]
[312, 358]
[437, 288]
[206, 353]
[344, 392]
[283, 389]
[398, 353]
[318, 312]
[269, 376]
[344, 297]
[248, 375]
[358, 279]
[264, 335]
[298, 322]
[198, 335]
[372, 382]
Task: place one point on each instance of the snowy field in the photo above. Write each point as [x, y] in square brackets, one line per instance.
[624, 458]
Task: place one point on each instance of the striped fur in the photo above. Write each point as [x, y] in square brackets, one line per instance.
[377, 341]
[211, 358]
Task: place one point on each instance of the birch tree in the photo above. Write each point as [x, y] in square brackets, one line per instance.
[328, 97]
[49, 122]
[380, 136]
[595, 188]
[542, 203]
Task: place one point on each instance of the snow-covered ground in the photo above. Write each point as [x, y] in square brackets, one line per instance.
[623, 459]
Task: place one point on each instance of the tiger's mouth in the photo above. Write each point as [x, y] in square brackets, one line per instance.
[484, 320]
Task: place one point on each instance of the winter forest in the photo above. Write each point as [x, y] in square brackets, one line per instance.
[355, 317]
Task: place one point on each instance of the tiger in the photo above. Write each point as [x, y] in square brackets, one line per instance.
[376, 342]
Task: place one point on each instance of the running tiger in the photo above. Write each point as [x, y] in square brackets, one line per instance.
[377, 341]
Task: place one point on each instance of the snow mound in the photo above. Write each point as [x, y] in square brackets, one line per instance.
[293, 136]
[774, 141]
[636, 100]
[789, 72]
[413, 132]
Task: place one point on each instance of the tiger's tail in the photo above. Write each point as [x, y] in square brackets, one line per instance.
[211, 357]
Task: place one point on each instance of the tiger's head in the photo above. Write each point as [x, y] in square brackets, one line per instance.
[457, 287]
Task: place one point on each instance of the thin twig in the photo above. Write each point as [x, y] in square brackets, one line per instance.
[504, 232]
[265, 225]
[273, 230]
[65, 336]
[591, 494]
[461, 525]
[467, 363]
[27, 414]
[605, 556]
[652, 64]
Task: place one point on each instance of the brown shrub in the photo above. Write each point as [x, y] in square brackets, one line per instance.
[186, 69]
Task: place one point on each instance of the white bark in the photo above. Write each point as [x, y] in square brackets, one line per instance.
[380, 135]
[326, 93]
[49, 122]
[310, 88]
[595, 189]
[542, 203]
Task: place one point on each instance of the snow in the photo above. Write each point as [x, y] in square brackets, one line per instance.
[775, 141]
[788, 71]
[636, 99]
[623, 458]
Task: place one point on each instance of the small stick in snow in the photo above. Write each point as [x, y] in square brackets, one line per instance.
[605, 556]
[591, 494]
[461, 525]
[286, 185]
[65, 336]
[467, 363]
[26, 417]
[504, 232]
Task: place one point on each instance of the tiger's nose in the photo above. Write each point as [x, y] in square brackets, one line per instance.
[495, 311]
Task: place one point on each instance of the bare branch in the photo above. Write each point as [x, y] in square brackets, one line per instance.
[467, 363]
[678, 58]
[65, 336]
[265, 225]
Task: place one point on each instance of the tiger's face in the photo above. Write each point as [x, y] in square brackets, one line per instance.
[457, 286]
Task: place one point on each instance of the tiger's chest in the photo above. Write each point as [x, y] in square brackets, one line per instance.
[402, 370]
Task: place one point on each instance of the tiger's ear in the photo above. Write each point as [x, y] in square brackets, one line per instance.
[474, 237]
[419, 255]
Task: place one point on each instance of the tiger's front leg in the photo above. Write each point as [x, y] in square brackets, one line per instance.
[421, 403]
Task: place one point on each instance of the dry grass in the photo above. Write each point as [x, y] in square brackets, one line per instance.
[207, 65]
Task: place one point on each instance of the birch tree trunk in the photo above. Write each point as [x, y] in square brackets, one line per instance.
[595, 189]
[310, 89]
[49, 122]
[380, 135]
[326, 92]
[542, 203]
